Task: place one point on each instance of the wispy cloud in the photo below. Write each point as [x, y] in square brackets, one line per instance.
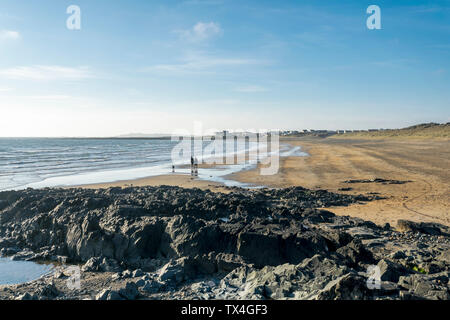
[5, 89]
[250, 89]
[394, 63]
[50, 97]
[203, 2]
[9, 35]
[201, 31]
[204, 64]
[46, 73]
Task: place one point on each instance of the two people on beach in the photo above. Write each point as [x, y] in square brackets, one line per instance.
[194, 166]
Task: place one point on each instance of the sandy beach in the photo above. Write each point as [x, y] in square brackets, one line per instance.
[421, 167]
[423, 163]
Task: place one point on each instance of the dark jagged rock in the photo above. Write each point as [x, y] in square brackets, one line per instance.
[140, 223]
[423, 227]
[190, 243]
[390, 271]
[377, 180]
[347, 287]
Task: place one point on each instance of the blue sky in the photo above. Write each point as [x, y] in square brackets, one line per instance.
[156, 66]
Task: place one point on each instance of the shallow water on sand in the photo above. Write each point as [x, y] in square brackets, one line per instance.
[16, 272]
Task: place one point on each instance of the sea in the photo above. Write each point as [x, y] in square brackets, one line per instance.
[14, 272]
[61, 162]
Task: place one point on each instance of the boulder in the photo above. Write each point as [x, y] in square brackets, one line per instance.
[390, 271]
[103, 295]
[27, 296]
[151, 287]
[176, 271]
[430, 228]
[355, 253]
[346, 287]
[47, 291]
[97, 264]
[130, 291]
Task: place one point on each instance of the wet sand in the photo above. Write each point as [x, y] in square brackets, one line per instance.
[180, 180]
[425, 163]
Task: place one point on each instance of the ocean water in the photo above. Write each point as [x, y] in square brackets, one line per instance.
[48, 162]
[14, 272]
[28, 162]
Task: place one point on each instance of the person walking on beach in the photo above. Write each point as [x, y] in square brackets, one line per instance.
[195, 166]
[192, 165]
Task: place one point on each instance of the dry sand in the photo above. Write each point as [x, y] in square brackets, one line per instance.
[332, 161]
[426, 163]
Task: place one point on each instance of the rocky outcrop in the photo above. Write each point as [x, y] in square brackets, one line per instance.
[136, 224]
[248, 244]
[423, 227]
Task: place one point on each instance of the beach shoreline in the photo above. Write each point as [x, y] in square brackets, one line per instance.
[331, 162]
[175, 179]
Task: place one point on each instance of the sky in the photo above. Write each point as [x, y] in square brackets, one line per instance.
[159, 66]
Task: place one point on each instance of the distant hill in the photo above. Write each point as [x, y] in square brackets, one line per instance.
[425, 130]
[143, 135]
